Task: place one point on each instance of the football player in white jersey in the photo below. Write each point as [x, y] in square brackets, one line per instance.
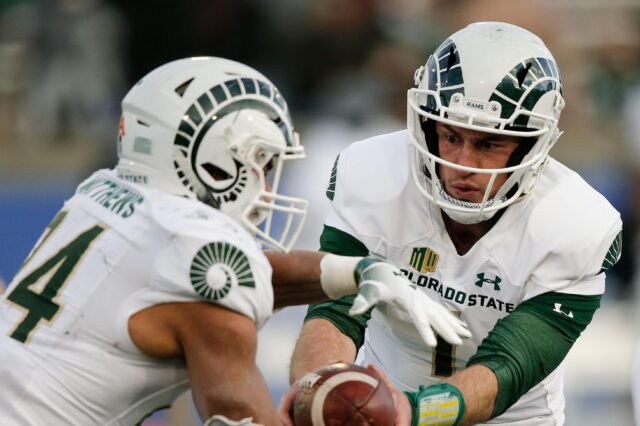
[470, 206]
[151, 279]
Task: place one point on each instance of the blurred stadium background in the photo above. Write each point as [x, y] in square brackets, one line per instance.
[344, 67]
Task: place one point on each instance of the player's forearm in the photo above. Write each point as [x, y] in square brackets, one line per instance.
[246, 396]
[466, 398]
[319, 344]
[296, 277]
[220, 355]
[479, 387]
[303, 277]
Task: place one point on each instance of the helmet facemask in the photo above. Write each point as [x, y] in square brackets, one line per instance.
[524, 101]
[259, 151]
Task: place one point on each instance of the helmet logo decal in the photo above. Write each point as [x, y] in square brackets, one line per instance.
[217, 267]
[522, 73]
[445, 73]
[183, 87]
[222, 94]
[198, 119]
[233, 189]
[524, 85]
[142, 145]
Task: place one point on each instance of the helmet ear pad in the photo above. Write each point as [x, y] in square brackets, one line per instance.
[430, 135]
[524, 146]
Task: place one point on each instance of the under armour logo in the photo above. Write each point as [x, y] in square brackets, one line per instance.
[557, 307]
[482, 280]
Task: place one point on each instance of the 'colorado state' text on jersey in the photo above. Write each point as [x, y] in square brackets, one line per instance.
[116, 248]
[553, 241]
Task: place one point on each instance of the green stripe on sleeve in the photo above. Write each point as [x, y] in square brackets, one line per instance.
[613, 254]
[331, 187]
[527, 345]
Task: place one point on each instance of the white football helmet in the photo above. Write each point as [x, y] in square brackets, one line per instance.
[209, 128]
[491, 77]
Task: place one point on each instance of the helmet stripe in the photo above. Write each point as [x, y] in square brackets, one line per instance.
[191, 129]
[234, 88]
[249, 86]
[185, 127]
[445, 73]
[205, 103]
[194, 115]
[218, 93]
[542, 74]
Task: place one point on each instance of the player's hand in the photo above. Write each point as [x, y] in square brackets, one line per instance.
[381, 282]
[400, 400]
[285, 408]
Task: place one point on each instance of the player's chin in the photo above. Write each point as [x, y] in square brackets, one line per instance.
[467, 196]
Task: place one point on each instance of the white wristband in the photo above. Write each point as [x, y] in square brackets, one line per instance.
[337, 275]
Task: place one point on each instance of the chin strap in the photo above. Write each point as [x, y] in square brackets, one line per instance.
[436, 405]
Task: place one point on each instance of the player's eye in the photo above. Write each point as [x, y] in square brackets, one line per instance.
[450, 137]
[487, 145]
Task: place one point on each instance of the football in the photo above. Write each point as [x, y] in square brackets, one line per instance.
[343, 394]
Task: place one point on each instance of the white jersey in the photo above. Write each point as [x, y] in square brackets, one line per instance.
[116, 248]
[539, 245]
[635, 384]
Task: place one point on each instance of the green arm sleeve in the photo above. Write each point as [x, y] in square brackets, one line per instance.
[336, 241]
[528, 344]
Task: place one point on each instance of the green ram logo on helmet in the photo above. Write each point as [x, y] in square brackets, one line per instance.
[523, 86]
[220, 94]
[195, 124]
[445, 73]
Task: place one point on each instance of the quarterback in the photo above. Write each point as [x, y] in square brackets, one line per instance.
[470, 206]
[152, 278]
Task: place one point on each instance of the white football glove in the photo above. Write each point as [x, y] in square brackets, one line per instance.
[381, 282]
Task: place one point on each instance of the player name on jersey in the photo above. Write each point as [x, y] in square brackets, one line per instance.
[113, 196]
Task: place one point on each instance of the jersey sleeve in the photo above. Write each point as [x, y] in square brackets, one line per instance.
[528, 344]
[574, 238]
[335, 220]
[370, 187]
[337, 241]
[213, 263]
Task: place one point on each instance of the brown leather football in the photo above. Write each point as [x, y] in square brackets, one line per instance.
[343, 394]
